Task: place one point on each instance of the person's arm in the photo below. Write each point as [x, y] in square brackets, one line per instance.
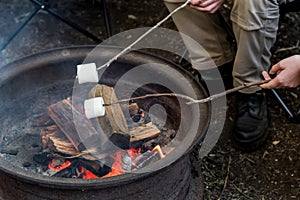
[287, 74]
[210, 6]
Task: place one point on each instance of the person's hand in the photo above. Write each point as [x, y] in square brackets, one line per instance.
[287, 74]
[210, 6]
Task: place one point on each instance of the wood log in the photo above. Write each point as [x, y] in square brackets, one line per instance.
[144, 132]
[113, 123]
[54, 140]
[90, 143]
[74, 125]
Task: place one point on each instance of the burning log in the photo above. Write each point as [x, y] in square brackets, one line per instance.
[96, 167]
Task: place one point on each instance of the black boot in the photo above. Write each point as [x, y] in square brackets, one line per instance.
[251, 128]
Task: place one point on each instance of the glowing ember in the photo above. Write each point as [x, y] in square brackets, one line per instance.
[134, 153]
[86, 174]
[124, 161]
[59, 164]
[117, 168]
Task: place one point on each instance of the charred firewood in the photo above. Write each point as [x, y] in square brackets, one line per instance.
[43, 158]
[76, 168]
[97, 167]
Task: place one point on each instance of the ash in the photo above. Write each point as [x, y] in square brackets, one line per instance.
[20, 144]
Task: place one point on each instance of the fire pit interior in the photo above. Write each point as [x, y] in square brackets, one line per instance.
[41, 144]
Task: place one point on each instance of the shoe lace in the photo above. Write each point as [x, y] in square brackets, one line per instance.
[253, 102]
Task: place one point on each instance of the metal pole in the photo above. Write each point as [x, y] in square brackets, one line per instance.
[19, 29]
[67, 21]
[106, 18]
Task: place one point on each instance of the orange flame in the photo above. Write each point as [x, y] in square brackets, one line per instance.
[117, 166]
[158, 149]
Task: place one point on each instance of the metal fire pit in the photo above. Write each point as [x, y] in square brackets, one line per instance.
[43, 79]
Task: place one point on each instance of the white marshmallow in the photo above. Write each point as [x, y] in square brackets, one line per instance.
[94, 107]
[87, 73]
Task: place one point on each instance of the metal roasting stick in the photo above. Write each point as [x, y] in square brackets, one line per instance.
[144, 35]
[191, 100]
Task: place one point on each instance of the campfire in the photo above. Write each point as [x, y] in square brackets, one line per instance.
[42, 139]
[73, 146]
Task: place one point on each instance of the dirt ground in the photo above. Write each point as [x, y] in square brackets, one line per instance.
[271, 172]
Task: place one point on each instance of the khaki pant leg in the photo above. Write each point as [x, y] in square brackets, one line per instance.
[207, 31]
[255, 25]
